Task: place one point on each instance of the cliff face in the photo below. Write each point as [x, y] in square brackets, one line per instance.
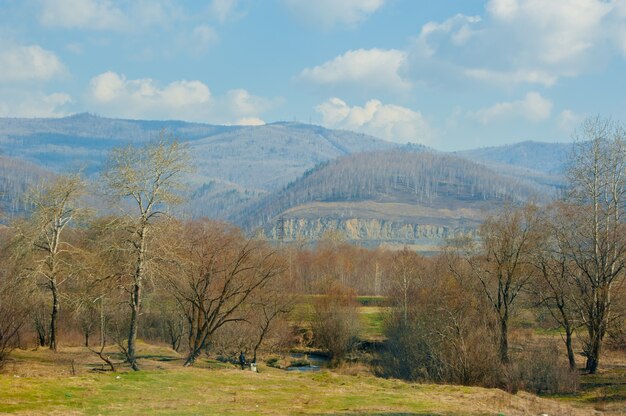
[365, 230]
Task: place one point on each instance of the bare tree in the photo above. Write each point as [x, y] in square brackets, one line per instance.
[42, 238]
[149, 178]
[597, 242]
[13, 302]
[276, 300]
[554, 287]
[406, 268]
[216, 274]
[501, 262]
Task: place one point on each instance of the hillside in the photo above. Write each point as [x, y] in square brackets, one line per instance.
[16, 176]
[547, 158]
[395, 196]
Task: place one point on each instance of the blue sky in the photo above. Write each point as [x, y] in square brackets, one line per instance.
[448, 74]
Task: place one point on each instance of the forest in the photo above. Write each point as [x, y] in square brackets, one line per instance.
[535, 303]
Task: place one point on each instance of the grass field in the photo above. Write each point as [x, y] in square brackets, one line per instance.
[41, 382]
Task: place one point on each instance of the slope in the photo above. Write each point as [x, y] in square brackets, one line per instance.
[395, 196]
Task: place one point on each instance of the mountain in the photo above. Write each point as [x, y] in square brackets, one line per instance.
[395, 196]
[234, 164]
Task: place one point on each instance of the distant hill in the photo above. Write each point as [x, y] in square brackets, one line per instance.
[392, 196]
[549, 158]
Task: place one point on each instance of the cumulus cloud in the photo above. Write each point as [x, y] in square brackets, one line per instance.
[114, 95]
[28, 63]
[387, 121]
[378, 68]
[33, 104]
[82, 14]
[330, 13]
[533, 107]
[521, 42]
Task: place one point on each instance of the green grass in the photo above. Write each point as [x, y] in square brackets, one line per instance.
[44, 386]
[372, 320]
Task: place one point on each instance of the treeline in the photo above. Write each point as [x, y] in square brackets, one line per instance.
[424, 178]
[464, 316]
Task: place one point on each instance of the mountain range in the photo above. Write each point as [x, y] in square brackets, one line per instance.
[295, 180]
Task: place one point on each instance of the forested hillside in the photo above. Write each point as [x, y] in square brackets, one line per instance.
[16, 176]
[548, 158]
[418, 188]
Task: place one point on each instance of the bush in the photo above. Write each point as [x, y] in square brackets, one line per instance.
[12, 316]
[540, 370]
[408, 354]
[336, 322]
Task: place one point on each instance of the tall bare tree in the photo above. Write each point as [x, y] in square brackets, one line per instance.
[501, 262]
[42, 238]
[146, 180]
[556, 274]
[597, 242]
[216, 273]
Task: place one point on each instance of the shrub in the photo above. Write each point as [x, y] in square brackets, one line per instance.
[336, 321]
[540, 370]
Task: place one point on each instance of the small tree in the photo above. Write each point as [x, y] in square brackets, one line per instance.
[42, 239]
[336, 323]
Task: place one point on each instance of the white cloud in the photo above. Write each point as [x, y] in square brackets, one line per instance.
[387, 121]
[329, 13]
[143, 98]
[113, 95]
[533, 107]
[82, 14]
[376, 68]
[568, 120]
[28, 63]
[33, 104]
[249, 121]
[244, 105]
[521, 42]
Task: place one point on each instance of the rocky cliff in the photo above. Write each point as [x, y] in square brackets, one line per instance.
[371, 231]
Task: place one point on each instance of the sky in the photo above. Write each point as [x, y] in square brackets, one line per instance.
[447, 74]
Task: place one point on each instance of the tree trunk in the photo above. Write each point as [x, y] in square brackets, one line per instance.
[54, 317]
[191, 358]
[570, 349]
[135, 298]
[87, 339]
[593, 355]
[504, 341]
[132, 333]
